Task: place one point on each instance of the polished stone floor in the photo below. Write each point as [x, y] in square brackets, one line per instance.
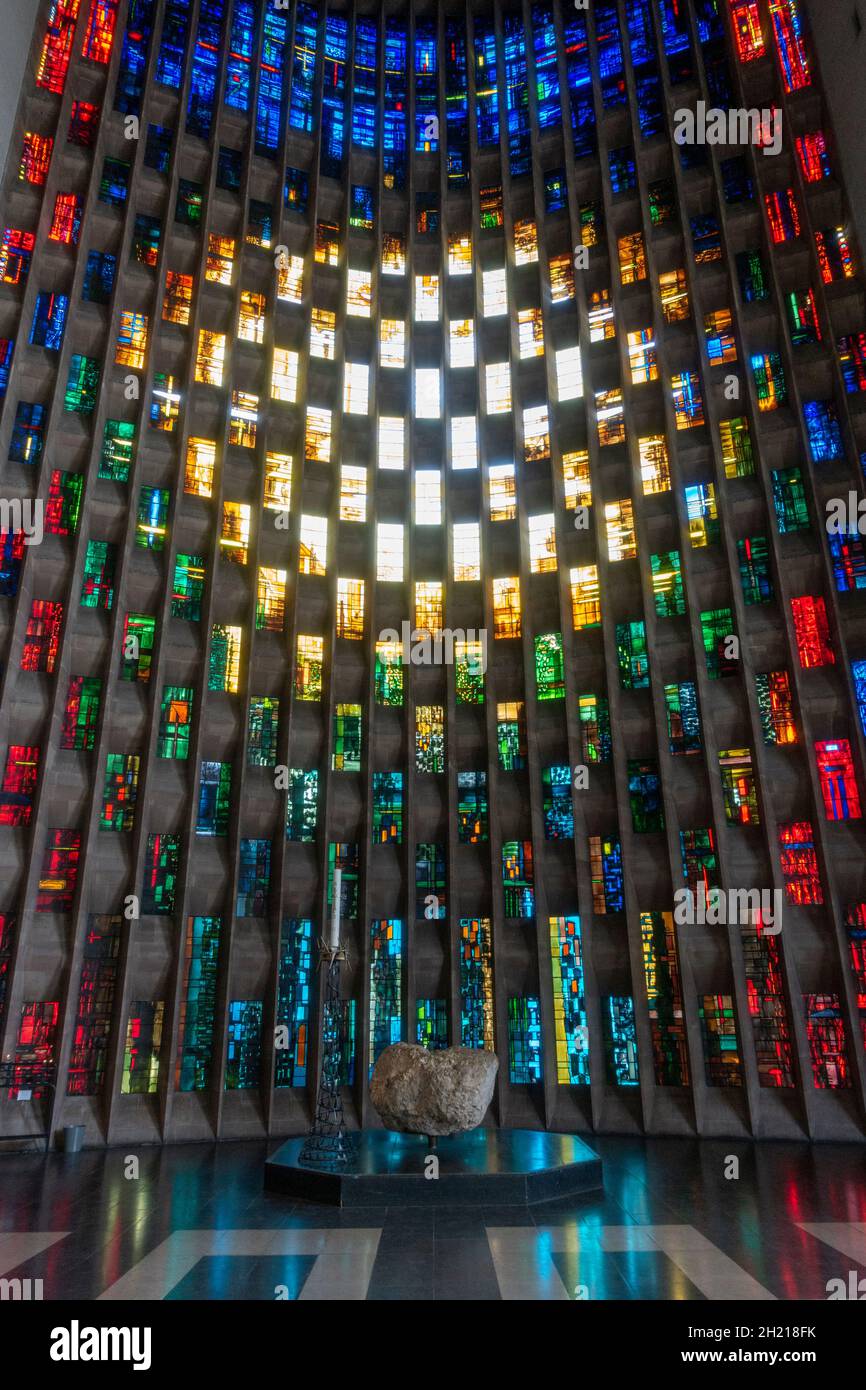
[196, 1224]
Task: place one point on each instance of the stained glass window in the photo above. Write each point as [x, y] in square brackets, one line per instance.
[739, 787]
[825, 1030]
[430, 901]
[57, 45]
[302, 805]
[387, 808]
[214, 799]
[776, 708]
[19, 785]
[271, 77]
[719, 1036]
[838, 781]
[684, 720]
[476, 983]
[293, 1002]
[143, 1044]
[386, 985]
[198, 1004]
[120, 792]
[620, 1037]
[606, 874]
[175, 722]
[161, 864]
[95, 1006]
[664, 998]
[518, 878]
[556, 806]
[97, 590]
[262, 726]
[244, 1045]
[524, 1041]
[81, 715]
[59, 874]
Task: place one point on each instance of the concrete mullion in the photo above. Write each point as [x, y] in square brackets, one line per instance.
[174, 964]
[768, 819]
[517, 1097]
[456, 491]
[842, 622]
[647, 1083]
[296, 745]
[707, 705]
[485, 855]
[282, 893]
[79, 547]
[707, 702]
[449, 969]
[547, 1002]
[126, 957]
[359, 980]
[696, 1083]
[510, 1101]
[125, 554]
[60, 675]
[728, 714]
[827, 861]
[582, 829]
[238, 765]
[406, 854]
[808, 1098]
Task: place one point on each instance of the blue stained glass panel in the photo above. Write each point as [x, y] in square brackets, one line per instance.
[205, 65]
[238, 63]
[270, 97]
[303, 69]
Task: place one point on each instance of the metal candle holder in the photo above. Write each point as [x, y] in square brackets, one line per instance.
[328, 1142]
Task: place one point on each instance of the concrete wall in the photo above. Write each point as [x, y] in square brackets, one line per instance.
[17, 31]
[841, 48]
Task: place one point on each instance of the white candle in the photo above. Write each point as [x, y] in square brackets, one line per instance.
[334, 935]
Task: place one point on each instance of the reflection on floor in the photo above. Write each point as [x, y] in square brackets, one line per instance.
[196, 1224]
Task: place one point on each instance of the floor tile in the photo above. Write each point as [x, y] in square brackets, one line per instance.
[196, 1223]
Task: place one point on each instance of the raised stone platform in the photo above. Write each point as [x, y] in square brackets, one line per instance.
[490, 1167]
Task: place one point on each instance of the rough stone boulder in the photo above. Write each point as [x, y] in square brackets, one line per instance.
[445, 1091]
